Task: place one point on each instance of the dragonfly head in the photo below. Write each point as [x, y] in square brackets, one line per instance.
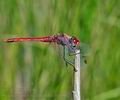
[74, 41]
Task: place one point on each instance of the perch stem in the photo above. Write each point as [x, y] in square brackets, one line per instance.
[76, 81]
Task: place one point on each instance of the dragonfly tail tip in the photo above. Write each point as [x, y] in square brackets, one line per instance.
[8, 40]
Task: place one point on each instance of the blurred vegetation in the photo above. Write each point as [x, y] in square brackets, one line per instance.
[35, 71]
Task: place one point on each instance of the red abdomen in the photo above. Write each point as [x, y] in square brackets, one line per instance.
[40, 39]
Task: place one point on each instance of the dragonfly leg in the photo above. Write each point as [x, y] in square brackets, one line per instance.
[66, 60]
[85, 60]
[72, 54]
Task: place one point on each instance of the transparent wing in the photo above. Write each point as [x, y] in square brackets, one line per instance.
[84, 53]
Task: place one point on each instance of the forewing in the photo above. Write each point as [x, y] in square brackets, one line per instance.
[84, 53]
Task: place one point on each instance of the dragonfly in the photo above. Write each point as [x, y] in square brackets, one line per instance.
[66, 41]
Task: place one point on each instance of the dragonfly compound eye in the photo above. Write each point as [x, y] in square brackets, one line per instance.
[75, 41]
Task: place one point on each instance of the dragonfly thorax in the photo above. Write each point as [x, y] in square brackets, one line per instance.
[70, 42]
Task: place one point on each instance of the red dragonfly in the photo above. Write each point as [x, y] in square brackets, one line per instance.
[62, 39]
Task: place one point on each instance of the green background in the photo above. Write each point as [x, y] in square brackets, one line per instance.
[35, 71]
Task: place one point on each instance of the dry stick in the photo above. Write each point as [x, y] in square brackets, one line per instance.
[76, 83]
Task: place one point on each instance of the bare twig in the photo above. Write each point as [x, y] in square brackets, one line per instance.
[76, 83]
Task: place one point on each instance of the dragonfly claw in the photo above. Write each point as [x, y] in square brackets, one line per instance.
[75, 69]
